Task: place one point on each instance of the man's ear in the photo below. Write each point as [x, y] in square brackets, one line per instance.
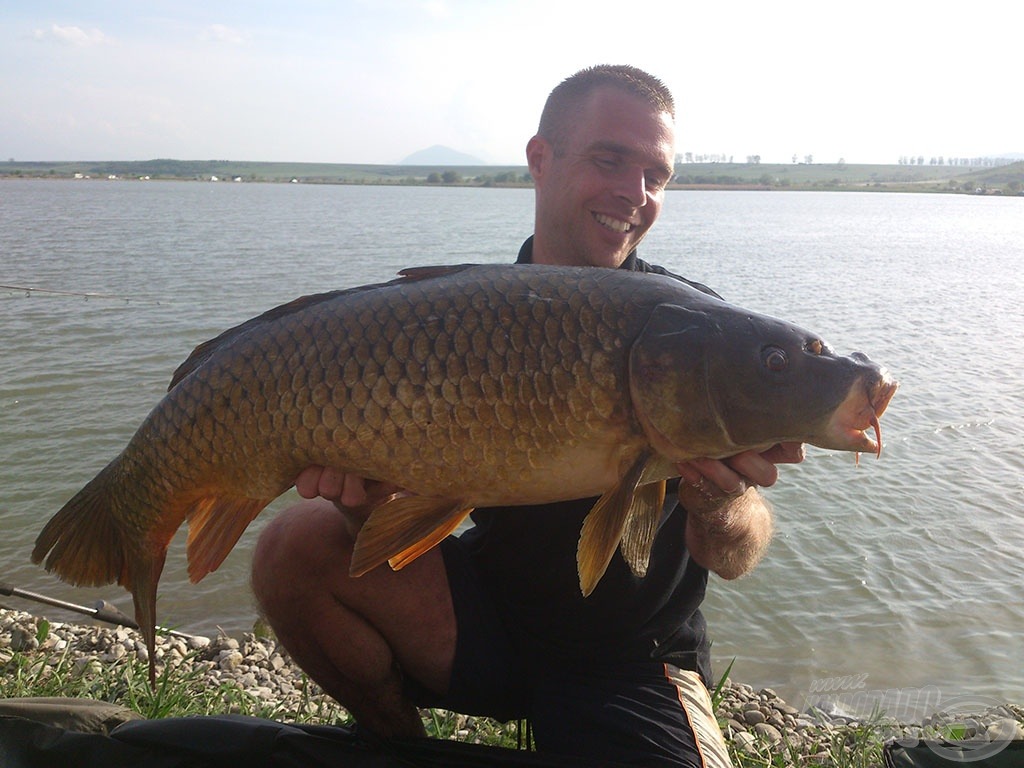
[538, 151]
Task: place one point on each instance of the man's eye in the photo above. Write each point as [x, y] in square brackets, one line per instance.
[656, 182]
[607, 161]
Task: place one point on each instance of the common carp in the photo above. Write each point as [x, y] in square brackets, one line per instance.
[468, 386]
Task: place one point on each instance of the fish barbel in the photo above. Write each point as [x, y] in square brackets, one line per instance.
[468, 386]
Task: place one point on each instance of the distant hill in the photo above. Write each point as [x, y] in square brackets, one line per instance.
[441, 155]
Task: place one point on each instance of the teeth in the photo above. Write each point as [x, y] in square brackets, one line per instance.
[616, 224]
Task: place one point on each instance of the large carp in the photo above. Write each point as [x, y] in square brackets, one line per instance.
[468, 386]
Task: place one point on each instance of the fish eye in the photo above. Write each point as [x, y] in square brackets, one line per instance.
[775, 359]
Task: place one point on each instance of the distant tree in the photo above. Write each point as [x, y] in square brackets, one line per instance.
[754, 159]
[451, 177]
[809, 159]
[434, 178]
[794, 160]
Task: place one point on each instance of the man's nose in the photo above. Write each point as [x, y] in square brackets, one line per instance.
[631, 185]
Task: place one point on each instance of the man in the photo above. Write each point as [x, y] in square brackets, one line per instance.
[493, 623]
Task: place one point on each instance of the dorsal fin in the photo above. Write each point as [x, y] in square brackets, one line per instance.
[439, 270]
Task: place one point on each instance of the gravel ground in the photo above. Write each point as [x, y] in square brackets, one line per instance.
[756, 722]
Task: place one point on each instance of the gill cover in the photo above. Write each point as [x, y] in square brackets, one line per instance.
[668, 383]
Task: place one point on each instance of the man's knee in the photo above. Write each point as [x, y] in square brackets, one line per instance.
[294, 546]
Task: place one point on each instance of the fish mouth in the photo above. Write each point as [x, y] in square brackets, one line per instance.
[848, 428]
[616, 225]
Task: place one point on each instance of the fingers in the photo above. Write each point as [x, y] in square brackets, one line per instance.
[784, 453]
[354, 489]
[308, 482]
[755, 467]
[724, 476]
[332, 484]
[733, 474]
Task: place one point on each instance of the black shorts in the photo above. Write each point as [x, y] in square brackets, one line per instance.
[639, 712]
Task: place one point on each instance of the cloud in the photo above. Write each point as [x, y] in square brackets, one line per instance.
[72, 35]
[220, 33]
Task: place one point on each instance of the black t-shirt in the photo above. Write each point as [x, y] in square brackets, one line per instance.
[527, 558]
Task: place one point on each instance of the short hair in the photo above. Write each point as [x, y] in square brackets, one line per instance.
[568, 96]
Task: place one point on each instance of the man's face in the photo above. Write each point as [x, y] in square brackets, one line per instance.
[598, 196]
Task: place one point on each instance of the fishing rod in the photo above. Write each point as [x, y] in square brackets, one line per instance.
[86, 294]
[102, 610]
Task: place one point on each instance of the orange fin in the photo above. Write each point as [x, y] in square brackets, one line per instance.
[642, 525]
[402, 529]
[86, 544]
[214, 525]
[604, 526]
[145, 574]
[83, 543]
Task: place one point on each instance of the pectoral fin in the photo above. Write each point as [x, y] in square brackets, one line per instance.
[642, 525]
[402, 529]
[606, 525]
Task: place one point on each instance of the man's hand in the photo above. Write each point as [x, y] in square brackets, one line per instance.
[344, 489]
[354, 496]
[733, 475]
[729, 524]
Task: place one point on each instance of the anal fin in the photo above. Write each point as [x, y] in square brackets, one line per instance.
[215, 524]
[403, 528]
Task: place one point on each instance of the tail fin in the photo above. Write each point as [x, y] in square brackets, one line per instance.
[84, 543]
[108, 532]
[87, 543]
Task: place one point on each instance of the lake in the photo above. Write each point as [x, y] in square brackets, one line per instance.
[899, 573]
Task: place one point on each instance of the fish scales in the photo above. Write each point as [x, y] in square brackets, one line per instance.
[454, 371]
[468, 386]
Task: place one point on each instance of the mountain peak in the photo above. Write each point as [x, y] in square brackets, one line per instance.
[441, 155]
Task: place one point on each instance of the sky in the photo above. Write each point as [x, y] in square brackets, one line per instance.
[372, 81]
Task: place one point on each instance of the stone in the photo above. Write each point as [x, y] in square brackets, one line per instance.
[734, 726]
[1004, 729]
[754, 717]
[230, 660]
[746, 741]
[768, 732]
[23, 640]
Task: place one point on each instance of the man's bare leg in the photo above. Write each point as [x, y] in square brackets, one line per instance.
[356, 637]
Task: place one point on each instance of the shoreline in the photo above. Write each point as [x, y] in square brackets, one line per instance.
[255, 676]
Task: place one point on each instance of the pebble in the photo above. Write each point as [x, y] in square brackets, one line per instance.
[754, 717]
[769, 732]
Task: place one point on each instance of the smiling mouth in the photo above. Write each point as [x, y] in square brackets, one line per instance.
[616, 225]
